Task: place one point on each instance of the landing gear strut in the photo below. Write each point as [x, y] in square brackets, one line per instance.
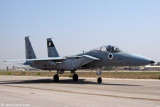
[99, 73]
[75, 77]
[56, 78]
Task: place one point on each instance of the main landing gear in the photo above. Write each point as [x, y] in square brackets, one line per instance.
[75, 77]
[99, 73]
[56, 78]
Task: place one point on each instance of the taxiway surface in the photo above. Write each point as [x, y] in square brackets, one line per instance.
[43, 92]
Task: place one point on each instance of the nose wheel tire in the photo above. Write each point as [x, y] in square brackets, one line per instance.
[75, 77]
[56, 78]
[99, 80]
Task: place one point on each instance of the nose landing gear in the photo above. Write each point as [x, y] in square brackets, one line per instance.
[99, 73]
[99, 80]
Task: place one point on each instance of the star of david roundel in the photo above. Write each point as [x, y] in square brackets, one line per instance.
[110, 56]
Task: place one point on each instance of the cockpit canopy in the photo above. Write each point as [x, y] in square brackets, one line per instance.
[108, 48]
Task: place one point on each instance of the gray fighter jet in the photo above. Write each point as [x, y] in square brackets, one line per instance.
[104, 56]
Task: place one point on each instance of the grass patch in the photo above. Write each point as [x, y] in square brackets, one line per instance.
[9, 73]
[23, 73]
[38, 73]
[70, 76]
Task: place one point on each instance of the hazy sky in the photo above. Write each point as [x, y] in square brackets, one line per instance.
[77, 25]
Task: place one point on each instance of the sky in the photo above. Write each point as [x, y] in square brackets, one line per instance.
[77, 25]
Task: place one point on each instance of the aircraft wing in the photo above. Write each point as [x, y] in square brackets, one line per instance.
[79, 61]
[53, 58]
[83, 60]
[39, 59]
[88, 56]
[88, 59]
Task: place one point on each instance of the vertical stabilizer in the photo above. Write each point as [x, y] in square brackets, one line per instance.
[29, 50]
[52, 51]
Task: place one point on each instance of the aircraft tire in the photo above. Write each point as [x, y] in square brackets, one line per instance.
[99, 80]
[75, 77]
[56, 78]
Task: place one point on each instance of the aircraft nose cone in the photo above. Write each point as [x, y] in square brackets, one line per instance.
[140, 60]
[152, 62]
[144, 61]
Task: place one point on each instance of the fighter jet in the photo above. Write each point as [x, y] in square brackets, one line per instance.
[98, 58]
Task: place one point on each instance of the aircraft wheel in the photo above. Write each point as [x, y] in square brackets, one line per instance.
[99, 80]
[56, 78]
[75, 77]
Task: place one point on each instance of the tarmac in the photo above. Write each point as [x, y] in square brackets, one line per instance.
[38, 91]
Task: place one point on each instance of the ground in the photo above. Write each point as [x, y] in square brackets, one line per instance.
[38, 91]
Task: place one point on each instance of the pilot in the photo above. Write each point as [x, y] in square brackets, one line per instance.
[110, 48]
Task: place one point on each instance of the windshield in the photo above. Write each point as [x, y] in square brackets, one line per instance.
[108, 48]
